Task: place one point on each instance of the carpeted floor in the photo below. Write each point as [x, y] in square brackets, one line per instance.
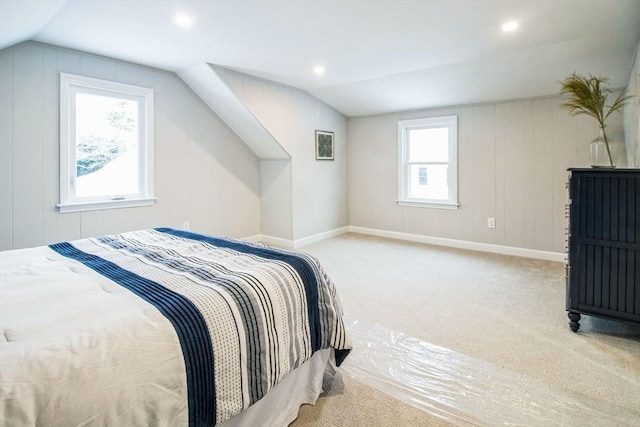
[351, 403]
[505, 312]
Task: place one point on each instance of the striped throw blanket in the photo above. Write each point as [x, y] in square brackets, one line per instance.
[245, 314]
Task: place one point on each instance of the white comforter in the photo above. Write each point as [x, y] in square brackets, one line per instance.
[77, 348]
[70, 352]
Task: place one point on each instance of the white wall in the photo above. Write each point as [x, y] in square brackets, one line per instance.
[632, 114]
[203, 173]
[275, 197]
[512, 160]
[319, 201]
[512, 157]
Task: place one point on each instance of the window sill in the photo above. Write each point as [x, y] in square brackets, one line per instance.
[106, 204]
[434, 205]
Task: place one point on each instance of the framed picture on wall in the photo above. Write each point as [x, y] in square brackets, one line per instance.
[324, 145]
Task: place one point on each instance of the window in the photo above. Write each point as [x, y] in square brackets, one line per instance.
[427, 162]
[106, 144]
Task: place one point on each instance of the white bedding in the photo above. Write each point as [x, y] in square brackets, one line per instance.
[66, 357]
[79, 349]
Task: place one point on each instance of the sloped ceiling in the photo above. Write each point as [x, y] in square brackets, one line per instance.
[380, 56]
[205, 80]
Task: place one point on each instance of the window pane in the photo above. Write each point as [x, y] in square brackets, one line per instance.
[107, 149]
[422, 176]
[429, 145]
[429, 182]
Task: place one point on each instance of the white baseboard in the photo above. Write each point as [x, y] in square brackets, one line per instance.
[276, 241]
[291, 244]
[320, 236]
[463, 244]
[440, 241]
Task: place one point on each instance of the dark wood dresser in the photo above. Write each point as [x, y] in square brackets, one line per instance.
[603, 269]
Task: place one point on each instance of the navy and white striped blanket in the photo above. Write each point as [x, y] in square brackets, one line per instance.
[245, 314]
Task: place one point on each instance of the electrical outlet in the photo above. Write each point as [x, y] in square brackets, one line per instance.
[186, 226]
[491, 222]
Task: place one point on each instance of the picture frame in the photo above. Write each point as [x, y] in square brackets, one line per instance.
[324, 145]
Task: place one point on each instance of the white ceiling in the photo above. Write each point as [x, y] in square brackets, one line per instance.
[379, 56]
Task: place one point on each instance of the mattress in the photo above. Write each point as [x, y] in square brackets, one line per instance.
[158, 327]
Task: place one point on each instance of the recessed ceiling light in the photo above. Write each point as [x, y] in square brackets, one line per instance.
[183, 20]
[510, 26]
[319, 70]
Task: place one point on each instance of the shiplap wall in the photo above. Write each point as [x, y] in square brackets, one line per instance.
[203, 173]
[318, 196]
[512, 161]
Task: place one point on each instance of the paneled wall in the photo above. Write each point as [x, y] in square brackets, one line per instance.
[318, 195]
[632, 114]
[275, 199]
[203, 173]
[512, 161]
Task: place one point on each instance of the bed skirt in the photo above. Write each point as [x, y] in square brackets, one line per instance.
[280, 406]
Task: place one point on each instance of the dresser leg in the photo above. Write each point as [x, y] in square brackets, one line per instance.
[574, 321]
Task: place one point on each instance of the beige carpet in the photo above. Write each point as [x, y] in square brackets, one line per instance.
[351, 403]
[504, 311]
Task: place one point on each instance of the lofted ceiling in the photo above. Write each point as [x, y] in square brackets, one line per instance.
[379, 56]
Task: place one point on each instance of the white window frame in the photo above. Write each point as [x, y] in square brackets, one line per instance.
[404, 165]
[70, 86]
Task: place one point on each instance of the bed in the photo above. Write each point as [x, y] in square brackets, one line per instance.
[164, 327]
